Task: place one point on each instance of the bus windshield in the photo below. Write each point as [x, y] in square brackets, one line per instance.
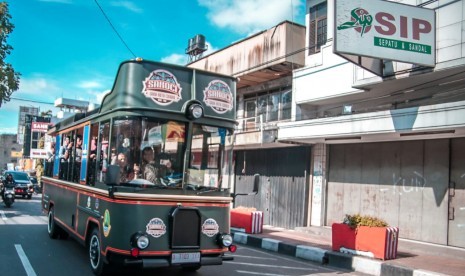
[153, 153]
[210, 154]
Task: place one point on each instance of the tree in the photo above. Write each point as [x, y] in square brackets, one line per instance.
[48, 113]
[9, 79]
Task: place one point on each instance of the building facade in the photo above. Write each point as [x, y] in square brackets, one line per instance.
[263, 65]
[353, 134]
[10, 150]
[390, 145]
[23, 111]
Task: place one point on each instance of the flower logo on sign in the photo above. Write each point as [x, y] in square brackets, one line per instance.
[156, 228]
[162, 87]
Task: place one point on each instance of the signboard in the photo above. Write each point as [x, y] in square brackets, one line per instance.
[39, 127]
[385, 30]
[39, 153]
[16, 154]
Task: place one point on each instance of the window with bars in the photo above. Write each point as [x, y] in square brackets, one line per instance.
[273, 105]
[317, 27]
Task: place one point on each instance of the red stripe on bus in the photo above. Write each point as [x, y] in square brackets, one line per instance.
[138, 201]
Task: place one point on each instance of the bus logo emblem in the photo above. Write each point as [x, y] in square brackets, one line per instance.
[218, 96]
[162, 87]
[106, 223]
[156, 227]
[210, 227]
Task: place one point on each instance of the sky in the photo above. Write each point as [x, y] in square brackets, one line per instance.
[69, 49]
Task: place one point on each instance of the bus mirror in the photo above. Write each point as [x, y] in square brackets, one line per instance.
[256, 183]
[112, 176]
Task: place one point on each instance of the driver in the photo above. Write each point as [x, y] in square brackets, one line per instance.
[150, 170]
[9, 182]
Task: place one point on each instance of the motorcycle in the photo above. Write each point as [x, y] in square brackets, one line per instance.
[8, 195]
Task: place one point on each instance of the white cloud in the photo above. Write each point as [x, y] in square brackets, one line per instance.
[176, 59]
[127, 5]
[210, 49]
[40, 90]
[99, 96]
[250, 16]
[90, 84]
[37, 87]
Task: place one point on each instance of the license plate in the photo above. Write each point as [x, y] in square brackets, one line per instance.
[9, 195]
[183, 258]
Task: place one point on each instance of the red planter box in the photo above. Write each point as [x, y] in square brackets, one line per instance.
[250, 221]
[381, 242]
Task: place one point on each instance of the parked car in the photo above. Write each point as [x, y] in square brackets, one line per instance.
[35, 184]
[24, 186]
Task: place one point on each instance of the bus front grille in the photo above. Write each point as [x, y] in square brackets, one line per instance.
[185, 228]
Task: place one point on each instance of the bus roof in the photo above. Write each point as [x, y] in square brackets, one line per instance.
[154, 86]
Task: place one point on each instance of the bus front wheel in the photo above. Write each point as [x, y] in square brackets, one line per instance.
[52, 227]
[97, 264]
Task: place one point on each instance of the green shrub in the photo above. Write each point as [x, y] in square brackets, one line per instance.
[357, 220]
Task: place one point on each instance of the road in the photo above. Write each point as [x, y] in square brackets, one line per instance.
[26, 249]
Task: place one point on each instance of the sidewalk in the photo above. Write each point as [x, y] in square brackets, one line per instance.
[314, 244]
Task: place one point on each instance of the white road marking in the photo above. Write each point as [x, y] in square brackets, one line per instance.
[274, 266]
[290, 259]
[26, 264]
[259, 273]
[252, 257]
[3, 215]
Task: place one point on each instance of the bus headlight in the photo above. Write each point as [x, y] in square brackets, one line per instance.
[225, 240]
[140, 240]
[194, 111]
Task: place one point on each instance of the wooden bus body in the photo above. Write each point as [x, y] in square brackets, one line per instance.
[145, 178]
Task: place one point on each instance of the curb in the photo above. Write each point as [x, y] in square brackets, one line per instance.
[331, 258]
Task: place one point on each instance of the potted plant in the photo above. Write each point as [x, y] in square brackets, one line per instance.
[365, 235]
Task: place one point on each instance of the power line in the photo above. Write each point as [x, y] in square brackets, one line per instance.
[114, 29]
[29, 100]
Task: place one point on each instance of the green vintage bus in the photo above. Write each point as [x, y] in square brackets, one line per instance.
[145, 178]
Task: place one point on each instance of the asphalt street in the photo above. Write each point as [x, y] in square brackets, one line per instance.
[27, 250]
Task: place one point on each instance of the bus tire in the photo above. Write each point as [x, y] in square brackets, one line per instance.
[96, 261]
[52, 227]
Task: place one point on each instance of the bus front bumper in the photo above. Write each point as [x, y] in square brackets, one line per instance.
[154, 263]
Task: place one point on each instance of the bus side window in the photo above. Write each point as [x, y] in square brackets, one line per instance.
[77, 156]
[64, 155]
[92, 155]
[102, 152]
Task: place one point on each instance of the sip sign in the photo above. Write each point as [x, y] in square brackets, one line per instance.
[385, 30]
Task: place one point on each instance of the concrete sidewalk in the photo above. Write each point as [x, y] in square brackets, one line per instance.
[314, 244]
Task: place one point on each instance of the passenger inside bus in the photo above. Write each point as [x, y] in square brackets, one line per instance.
[92, 161]
[63, 155]
[126, 172]
[150, 170]
[77, 159]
